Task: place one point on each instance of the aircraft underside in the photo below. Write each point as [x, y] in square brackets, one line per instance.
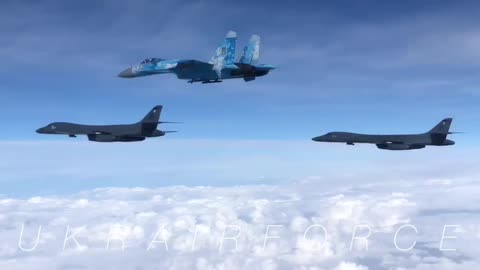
[112, 138]
[212, 77]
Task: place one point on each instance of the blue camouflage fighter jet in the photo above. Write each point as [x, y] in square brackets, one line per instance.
[222, 66]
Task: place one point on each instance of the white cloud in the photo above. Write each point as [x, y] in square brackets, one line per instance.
[350, 266]
[193, 221]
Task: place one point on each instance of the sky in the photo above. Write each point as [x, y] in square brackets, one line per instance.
[243, 158]
[370, 67]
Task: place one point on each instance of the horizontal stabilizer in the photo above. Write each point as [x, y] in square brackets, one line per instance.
[248, 67]
[169, 131]
[167, 122]
[245, 67]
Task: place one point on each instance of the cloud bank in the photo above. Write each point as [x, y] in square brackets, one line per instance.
[298, 226]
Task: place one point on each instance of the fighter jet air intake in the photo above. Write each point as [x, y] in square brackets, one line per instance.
[436, 136]
[145, 128]
[223, 64]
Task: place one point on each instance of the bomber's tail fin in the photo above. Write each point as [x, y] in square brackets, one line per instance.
[150, 121]
[225, 54]
[440, 132]
[153, 115]
[443, 127]
[251, 52]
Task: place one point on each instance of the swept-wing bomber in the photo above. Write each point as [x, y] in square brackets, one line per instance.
[223, 64]
[145, 128]
[436, 136]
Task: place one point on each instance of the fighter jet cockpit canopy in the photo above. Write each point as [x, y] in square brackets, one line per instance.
[151, 61]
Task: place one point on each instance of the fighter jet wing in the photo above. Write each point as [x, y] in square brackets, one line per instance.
[185, 65]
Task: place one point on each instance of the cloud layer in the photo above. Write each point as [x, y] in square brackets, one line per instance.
[275, 227]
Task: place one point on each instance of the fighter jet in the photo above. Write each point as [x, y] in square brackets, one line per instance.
[436, 136]
[145, 128]
[221, 66]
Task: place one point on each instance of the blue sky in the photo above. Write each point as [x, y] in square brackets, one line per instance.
[369, 66]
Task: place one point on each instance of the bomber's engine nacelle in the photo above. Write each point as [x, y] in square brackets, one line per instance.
[111, 138]
[399, 146]
[101, 138]
[130, 139]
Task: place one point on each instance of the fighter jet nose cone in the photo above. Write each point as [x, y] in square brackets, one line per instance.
[127, 73]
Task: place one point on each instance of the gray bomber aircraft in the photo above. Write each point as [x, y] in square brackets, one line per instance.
[145, 128]
[436, 136]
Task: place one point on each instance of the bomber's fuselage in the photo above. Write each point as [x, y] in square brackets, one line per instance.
[347, 137]
[65, 128]
[147, 127]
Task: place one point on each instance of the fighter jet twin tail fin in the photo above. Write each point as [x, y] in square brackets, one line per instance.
[225, 54]
[251, 52]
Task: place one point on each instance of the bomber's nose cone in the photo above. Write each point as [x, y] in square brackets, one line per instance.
[39, 130]
[317, 139]
[127, 73]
